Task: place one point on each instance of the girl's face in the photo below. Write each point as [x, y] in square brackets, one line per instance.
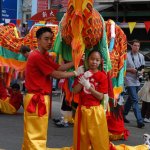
[94, 61]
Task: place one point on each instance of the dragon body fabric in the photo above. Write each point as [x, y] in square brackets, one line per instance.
[81, 29]
[117, 44]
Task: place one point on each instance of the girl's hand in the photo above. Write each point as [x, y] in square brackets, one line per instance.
[84, 82]
[87, 74]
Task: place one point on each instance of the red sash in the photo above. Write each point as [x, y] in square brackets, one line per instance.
[37, 99]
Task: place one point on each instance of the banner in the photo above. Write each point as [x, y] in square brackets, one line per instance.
[147, 25]
[9, 10]
[46, 15]
[131, 26]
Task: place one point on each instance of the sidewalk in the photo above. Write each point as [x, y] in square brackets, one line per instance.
[11, 130]
[135, 137]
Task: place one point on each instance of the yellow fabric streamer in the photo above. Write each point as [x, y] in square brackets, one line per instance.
[126, 147]
[6, 107]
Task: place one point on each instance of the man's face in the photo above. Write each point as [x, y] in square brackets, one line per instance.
[45, 41]
[135, 47]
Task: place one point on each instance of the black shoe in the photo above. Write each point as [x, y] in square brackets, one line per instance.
[140, 125]
[56, 120]
[126, 120]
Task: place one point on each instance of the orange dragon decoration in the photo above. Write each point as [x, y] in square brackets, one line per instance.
[81, 29]
[12, 62]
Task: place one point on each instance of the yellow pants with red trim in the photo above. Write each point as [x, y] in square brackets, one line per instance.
[94, 131]
[35, 127]
[6, 107]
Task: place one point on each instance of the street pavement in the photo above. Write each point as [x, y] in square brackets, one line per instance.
[11, 130]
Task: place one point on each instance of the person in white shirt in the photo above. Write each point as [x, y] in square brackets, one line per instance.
[134, 73]
[144, 95]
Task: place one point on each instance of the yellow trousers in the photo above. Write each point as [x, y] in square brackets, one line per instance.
[35, 127]
[6, 107]
[94, 131]
[117, 147]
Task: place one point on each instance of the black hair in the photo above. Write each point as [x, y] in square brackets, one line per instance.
[24, 49]
[92, 51]
[42, 30]
[6, 24]
[23, 25]
[15, 86]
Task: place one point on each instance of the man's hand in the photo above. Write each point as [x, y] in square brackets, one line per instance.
[84, 82]
[79, 71]
[132, 70]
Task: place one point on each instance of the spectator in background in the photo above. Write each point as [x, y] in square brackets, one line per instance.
[24, 29]
[25, 50]
[66, 109]
[134, 72]
[3, 91]
[11, 99]
[144, 95]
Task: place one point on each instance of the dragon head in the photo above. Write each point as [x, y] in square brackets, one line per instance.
[82, 27]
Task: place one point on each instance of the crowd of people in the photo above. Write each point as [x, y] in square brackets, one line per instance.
[90, 122]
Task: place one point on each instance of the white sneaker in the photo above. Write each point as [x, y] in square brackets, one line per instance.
[146, 120]
[147, 140]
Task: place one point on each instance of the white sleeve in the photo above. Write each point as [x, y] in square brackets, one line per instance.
[143, 60]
